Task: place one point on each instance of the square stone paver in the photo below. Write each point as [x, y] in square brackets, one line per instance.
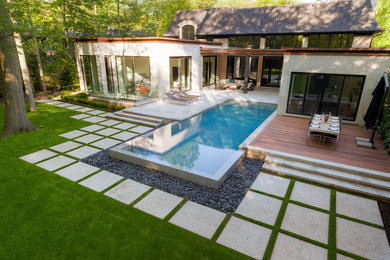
[74, 107]
[306, 222]
[358, 207]
[124, 126]
[105, 143]
[271, 184]
[101, 180]
[73, 134]
[311, 195]
[245, 237]
[94, 119]
[92, 128]
[158, 203]
[106, 114]
[361, 239]
[38, 156]
[108, 131]
[43, 100]
[88, 138]
[259, 207]
[80, 116]
[124, 135]
[77, 171]
[56, 163]
[127, 191]
[53, 103]
[85, 109]
[83, 152]
[95, 112]
[64, 105]
[141, 129]
[287, 247]
[66, 146]
[199, 219]
[110, 122]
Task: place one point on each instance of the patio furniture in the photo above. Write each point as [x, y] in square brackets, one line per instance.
[174, 99]
[325, 130]
[143, 89]
[185, 94]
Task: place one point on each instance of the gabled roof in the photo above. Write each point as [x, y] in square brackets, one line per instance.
[321, 17]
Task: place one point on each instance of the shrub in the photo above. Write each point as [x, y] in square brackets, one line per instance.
[82, 98]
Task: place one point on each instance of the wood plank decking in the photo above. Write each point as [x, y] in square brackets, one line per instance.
[288, 134]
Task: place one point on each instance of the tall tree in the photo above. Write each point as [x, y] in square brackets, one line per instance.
[16, 120]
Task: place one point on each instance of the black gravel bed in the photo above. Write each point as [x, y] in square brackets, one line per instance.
[384, 208]
[226, 198]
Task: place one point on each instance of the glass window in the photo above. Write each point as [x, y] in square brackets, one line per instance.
[324, 41]
[335, 40]
[297, 93]
[90, 72]
[288, 41]
[134, 79]
[109, 75]
[278, 44]
[330, 40]
[209, 70]
[313, 40]
[180, 73]
[272, 71]
[346, 41]
[325, 93]
[188, 32]
[297, 43]
[269, 41]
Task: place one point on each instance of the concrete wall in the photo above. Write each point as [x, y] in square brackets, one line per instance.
[370, 66]
[224, 41]
[157, 52]
[361, 41]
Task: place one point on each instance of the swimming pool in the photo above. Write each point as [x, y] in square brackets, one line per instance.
[203, 148]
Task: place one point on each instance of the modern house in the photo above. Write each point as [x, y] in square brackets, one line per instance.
[317, 54]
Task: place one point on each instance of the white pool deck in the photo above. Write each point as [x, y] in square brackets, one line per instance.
[210, 98]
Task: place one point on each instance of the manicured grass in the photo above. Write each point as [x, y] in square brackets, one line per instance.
[47, 216]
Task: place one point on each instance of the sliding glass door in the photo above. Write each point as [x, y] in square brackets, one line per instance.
[209, 70]
[134, 77]
[90, 74]
[325, 93]
[272, 71]
[236, 67]
[180, 73]
[109, 75]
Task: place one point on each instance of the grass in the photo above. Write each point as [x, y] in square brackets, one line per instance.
[46, 216]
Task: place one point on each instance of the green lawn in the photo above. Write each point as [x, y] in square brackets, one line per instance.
[43, 215]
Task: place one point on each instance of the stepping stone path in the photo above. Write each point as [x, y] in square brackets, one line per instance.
[296, 215]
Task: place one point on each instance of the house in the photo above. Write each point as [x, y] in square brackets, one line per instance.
[317, 54]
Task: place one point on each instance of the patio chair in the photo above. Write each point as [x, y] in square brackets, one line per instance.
[172, 98]
[314, 133]
[333, 137]
[143, 89]
[184, 94]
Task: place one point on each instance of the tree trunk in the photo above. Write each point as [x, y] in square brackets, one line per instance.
[41, 75]
[16, 120]
[25, 73]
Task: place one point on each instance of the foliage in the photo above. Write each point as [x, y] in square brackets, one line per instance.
[384, 128]
[382, 14]
[82, 98]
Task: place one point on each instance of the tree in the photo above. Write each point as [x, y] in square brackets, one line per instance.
[16, 120]
[382, 14]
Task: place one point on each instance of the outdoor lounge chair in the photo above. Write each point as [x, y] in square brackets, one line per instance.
[183, 94]
[190, 95]
[172, 98]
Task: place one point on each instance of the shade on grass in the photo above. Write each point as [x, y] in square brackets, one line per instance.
[43, 215]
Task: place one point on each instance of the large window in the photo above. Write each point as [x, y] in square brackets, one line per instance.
[109, 75]
[236, 68]
[325, 93]
[272, 71]
[283, 41]
[249, 42]
[188, 32]
[330, 40]
[90, 74]
[180, 73]
[134, 77]
[209, 70]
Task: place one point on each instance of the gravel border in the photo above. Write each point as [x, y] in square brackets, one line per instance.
[226, 198]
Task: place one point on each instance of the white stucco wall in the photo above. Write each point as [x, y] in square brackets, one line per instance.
[158, 53]
[370, 66]
[361, 41]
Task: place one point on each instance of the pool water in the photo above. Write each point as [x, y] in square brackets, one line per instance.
[204, 142]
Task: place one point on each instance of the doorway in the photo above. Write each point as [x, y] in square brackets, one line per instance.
[272, 71]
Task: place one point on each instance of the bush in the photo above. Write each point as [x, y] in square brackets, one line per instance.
[82, 98]
[384, 128]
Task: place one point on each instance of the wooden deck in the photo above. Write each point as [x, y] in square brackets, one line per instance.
[288, 134]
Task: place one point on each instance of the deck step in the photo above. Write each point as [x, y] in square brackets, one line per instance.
[323, 164]
[372, 181]
[132, 120]
[139, 117]
[327, 181]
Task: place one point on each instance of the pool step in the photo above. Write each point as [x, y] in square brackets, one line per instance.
[374, 186]
[133, 120]
[139, 117]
